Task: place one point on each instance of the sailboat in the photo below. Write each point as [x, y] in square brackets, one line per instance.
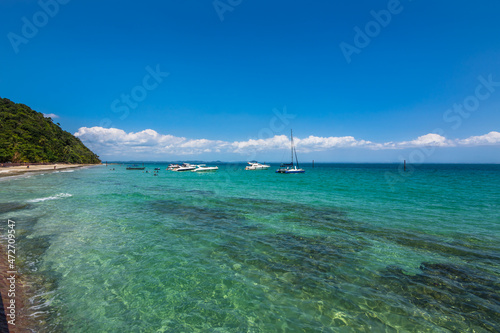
[290, 167]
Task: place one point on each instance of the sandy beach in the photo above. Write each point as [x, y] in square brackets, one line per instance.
[16, 170]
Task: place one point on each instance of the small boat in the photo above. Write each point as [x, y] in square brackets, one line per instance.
[185, 167]
[204, 168]
[257, 166]
[290, 167]
[157, 168]
[135, 167]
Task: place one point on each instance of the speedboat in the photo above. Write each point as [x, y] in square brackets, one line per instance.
[185, 167]
[204, 168]
[257, 166]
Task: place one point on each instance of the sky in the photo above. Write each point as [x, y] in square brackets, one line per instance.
[357, 81]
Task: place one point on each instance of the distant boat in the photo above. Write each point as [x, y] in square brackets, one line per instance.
[204, 168]
[157, 168]
[290, 167]
[257, 166]
[135, 167]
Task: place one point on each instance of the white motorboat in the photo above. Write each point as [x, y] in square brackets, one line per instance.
[185, 167]
[204, 168]
[257, 166]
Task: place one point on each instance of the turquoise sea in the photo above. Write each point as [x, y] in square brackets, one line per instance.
[341, 248]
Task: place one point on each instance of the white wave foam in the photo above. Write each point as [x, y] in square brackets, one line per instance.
[68, 171]
[57, 196]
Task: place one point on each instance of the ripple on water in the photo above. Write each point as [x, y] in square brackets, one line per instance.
[202, 263]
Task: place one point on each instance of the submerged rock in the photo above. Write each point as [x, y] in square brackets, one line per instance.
[454, 291]
[7, 207]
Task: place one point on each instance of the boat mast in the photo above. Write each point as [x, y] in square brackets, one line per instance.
[296, 157]
[291, 143]
[293, 149]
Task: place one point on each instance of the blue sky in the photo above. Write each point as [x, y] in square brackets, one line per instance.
[250, 70]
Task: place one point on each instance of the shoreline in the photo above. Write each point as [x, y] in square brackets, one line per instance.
[10, 171]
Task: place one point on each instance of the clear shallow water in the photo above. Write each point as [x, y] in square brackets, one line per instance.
[343, 248]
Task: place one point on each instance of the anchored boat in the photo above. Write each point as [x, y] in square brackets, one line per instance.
[185, 167]
[290, 167]
[257, 166]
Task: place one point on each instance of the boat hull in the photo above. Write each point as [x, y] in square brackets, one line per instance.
[291, 171]
[257, 168]
[207, 169]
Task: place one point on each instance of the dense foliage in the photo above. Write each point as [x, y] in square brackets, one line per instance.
[27, 136]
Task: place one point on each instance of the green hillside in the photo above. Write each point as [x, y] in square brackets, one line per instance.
[27, 136]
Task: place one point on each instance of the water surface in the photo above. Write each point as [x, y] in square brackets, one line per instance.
[341, 248]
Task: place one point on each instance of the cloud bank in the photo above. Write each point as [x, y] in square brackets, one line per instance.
[117, 142]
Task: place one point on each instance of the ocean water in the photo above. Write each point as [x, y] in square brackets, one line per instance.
[341, 248]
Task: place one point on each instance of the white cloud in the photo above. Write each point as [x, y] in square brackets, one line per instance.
[315, 143]
[113, 140]
[276, 142]
[116, 142]
[428, 140]
[491, 138]
[51, 115]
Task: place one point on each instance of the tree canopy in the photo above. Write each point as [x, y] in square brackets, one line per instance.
[28, 136]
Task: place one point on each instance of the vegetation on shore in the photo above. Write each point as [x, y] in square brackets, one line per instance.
[28, 136]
